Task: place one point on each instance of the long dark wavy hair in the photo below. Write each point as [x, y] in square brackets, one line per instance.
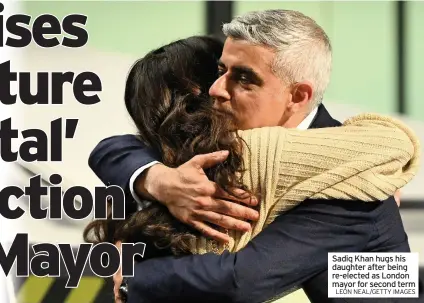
[166, 95]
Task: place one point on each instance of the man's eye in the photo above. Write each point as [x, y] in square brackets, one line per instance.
[220, 72]
[243, 79]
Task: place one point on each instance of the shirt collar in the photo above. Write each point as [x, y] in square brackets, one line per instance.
[306, 123]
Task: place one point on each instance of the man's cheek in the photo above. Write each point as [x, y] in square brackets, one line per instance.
[249, 121]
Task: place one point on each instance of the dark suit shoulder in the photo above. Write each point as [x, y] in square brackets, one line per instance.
[323, 119]
[382, 218]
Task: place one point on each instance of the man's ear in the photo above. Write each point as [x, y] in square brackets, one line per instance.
[301, 96]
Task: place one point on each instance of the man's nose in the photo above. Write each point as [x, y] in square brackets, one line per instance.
[219, 90]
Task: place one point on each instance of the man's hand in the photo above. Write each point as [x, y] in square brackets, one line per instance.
[193, 199]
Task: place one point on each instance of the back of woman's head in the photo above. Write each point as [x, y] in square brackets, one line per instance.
[166, 95]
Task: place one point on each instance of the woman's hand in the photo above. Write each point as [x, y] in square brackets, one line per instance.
[397, 197]
[193, 199]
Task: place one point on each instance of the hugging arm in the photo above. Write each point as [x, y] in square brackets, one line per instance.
[185, 191]
[116, 159]
[368, 159]
[288, 252]
[295, 246]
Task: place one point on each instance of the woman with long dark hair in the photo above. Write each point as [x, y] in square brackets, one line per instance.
[166, 95]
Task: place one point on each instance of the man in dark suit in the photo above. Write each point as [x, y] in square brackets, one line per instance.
[290, 252]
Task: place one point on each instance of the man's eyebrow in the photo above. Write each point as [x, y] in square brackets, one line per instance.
[249, 72]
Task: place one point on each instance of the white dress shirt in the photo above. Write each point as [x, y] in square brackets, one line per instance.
[143, 203]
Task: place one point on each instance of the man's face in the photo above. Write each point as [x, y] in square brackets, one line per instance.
[248, 87]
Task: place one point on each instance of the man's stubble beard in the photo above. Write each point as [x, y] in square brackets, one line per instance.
[232, 114]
